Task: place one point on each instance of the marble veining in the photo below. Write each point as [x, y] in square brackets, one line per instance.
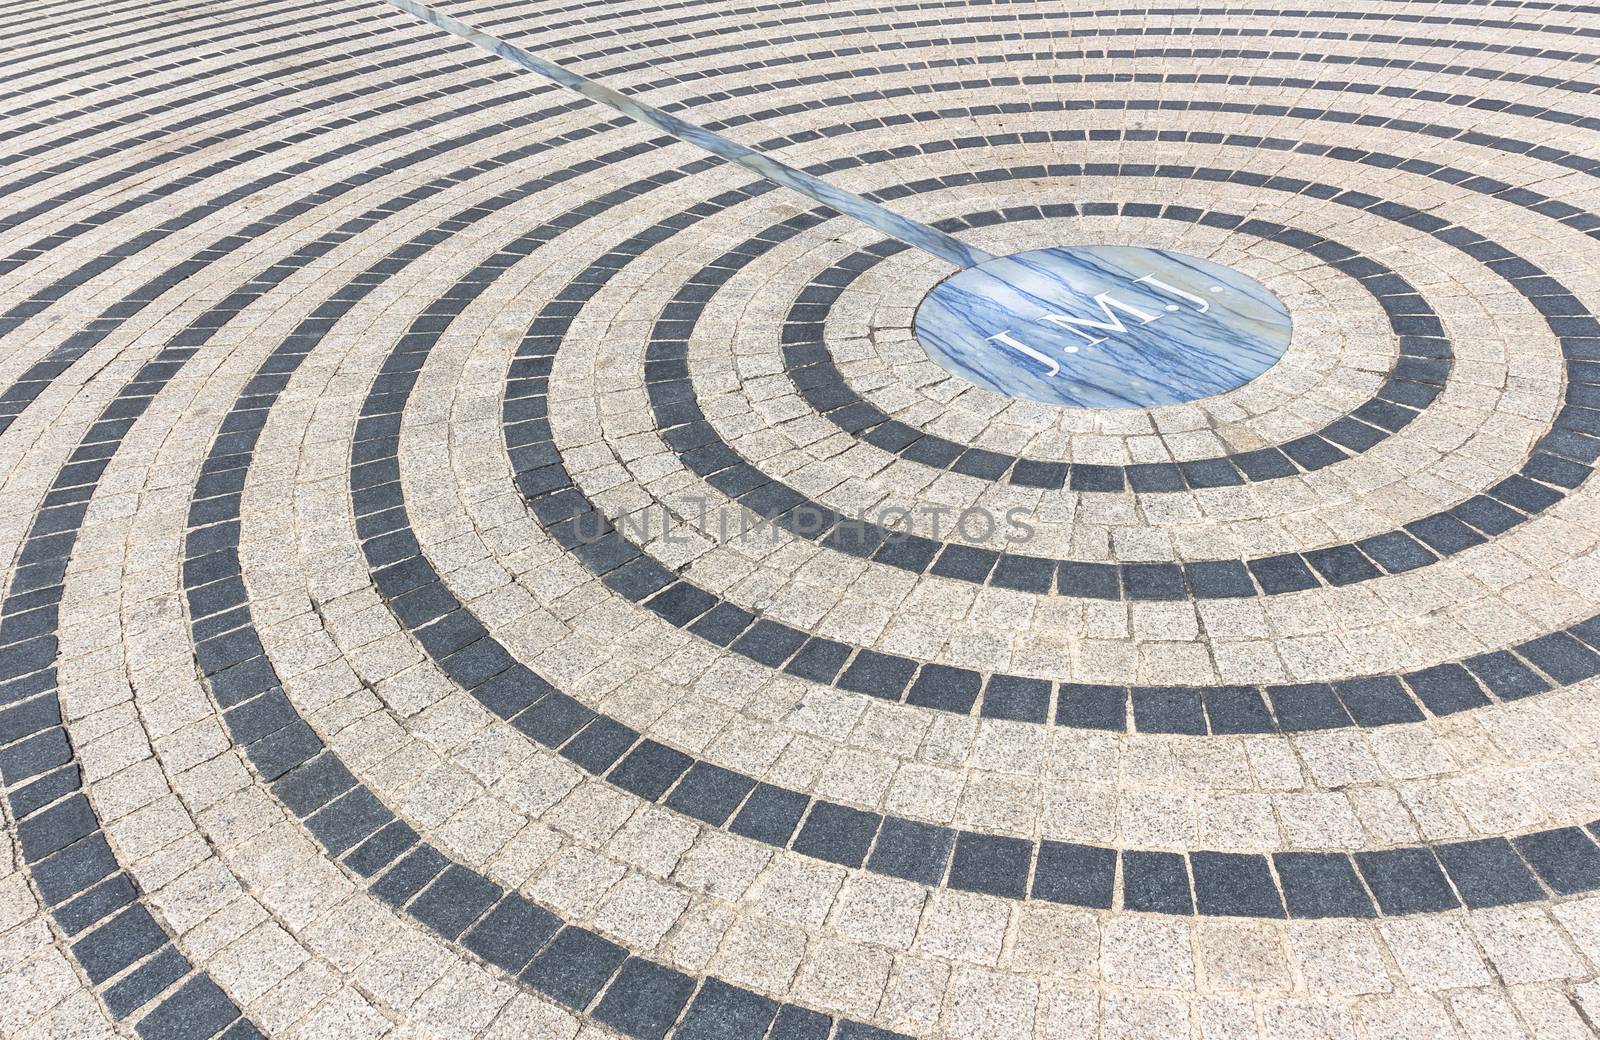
[1103, 326]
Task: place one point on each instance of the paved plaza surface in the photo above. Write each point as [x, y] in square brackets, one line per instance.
[481, 562]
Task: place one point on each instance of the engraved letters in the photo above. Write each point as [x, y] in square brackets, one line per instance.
[1110, 321]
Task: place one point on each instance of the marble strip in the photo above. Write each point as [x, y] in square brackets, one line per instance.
[896, 226]
[26, 389]
[1563, 118]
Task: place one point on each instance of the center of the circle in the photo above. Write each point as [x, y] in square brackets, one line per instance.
[1103, 326]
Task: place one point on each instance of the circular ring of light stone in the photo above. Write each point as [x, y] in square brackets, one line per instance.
[1103, 326]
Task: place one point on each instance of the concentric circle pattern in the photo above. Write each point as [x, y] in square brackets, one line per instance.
[482, 565]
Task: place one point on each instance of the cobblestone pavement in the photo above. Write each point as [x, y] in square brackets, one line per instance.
[437, 602]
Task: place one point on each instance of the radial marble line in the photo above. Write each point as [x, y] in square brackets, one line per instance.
[1095, 333]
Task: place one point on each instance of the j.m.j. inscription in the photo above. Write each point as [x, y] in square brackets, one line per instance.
[1103, 326]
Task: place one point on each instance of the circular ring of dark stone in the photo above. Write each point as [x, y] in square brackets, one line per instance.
[349, 822]
[521, 937]
[1298, 884]
[573, 965]
[1419, 374]
[1559, 658]
[1561, 461]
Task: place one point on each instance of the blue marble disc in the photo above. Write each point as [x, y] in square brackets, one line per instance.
[1103, 326]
